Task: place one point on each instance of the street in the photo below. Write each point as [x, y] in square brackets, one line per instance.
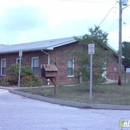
[20, 113]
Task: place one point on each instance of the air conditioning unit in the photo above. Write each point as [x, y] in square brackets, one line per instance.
[124, 2]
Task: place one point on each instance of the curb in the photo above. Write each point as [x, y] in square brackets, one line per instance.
[72, 104]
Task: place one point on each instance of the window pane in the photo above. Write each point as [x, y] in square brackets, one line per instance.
[70, 69]
[3, 71]
[35, 65]
[35, 62]
[18, 61]
[3, 67]
[70, 63]
[35, 70]
[3, 63]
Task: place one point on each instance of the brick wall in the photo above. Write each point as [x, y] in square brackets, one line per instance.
[112, 68]
[62, 54]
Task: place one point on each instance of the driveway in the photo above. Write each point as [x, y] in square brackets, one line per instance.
[20, 113]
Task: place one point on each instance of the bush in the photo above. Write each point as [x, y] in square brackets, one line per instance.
[13, 70]
[28, 77]
[9, 80]
[4, 81]
[31, 81]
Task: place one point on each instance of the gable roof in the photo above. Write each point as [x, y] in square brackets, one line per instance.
[40, 45]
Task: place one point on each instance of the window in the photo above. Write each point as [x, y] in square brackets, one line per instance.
[35, 65]
[70, 68]
[18, 60]
[3, 67]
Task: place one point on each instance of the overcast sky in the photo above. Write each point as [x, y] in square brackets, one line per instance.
[34, 20]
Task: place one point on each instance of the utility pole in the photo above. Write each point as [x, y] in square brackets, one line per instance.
[121, 2]
[120, 45]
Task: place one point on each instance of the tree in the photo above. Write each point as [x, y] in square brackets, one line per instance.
[100, 58]
[126, 54]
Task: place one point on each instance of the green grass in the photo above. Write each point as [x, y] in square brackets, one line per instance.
[102, 94]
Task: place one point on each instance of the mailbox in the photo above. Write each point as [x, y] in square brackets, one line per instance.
[49, 71]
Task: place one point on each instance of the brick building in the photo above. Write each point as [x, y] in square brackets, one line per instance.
[48, 52]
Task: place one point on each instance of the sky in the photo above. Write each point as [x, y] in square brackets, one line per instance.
[24, 21]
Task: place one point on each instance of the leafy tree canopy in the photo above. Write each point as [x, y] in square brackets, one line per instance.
[100, 58]
[126, 54]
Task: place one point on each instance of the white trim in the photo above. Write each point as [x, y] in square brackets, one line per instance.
[2, 67]
[69, 76]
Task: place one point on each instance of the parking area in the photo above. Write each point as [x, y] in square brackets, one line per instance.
[20, 113]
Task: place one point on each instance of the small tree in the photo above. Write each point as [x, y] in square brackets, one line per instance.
[100, 58]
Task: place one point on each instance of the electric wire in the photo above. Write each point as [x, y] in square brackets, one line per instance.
[107, 14]
[113, 27]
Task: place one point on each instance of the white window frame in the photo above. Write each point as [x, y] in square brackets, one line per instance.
[33, 66]
[2, 67]
[17, 60]
[72, 67]
[104, 68]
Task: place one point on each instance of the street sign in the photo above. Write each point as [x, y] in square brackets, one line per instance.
[20, 57]
[20, 53]
[91, 49]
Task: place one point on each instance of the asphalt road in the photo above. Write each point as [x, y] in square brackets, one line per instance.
[20, 113]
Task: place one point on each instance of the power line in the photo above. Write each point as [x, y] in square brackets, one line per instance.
[113, 26]
[107, 14]
[113, 20]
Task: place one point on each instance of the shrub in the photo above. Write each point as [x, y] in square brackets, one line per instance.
[28, 77]
[13, 70]
[4, 81]
[28, 81]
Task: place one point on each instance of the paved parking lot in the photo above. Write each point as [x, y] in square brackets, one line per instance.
[20, 113]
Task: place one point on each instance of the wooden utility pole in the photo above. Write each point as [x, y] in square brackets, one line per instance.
[120, 45]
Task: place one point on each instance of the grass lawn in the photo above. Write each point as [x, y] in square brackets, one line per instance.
[102, 93]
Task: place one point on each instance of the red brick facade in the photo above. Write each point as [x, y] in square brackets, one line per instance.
[112, 68]
[62, 54]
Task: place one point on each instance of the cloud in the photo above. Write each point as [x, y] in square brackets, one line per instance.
[22, 18]
[33, 20]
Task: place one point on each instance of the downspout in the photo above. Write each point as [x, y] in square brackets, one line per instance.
[48, 56]
[48, 81]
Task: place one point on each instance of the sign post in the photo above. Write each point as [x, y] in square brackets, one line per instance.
[20, 57]
[91, 51]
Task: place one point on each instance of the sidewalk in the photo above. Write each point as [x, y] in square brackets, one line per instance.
[108, 81]
[16, 87]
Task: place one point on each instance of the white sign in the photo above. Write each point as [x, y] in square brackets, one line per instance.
[127, 70]
[20, 53]
[91, 49]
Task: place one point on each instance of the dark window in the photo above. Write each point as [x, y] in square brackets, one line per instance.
[3, 67]
[70, 68]
[35, 65]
